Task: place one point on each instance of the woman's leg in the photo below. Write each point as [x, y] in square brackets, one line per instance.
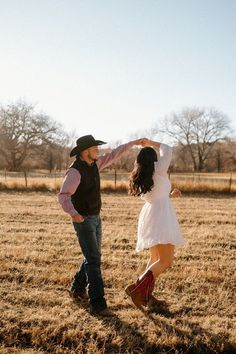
[154, 256]
[141, 290]
[163, 256]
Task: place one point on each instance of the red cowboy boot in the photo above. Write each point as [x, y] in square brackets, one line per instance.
[152, 302]
[141, 291]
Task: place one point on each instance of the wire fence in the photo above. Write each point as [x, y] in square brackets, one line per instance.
[27, 178]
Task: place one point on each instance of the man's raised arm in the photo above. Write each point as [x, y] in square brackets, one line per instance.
[108, 158]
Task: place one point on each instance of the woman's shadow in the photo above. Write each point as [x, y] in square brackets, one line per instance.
[193, 339]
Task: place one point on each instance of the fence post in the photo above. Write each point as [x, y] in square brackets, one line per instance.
[230, 182]
[25, 175]
[115, 178]
[55, 176]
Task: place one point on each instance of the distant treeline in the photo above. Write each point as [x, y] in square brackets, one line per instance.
[202, 140]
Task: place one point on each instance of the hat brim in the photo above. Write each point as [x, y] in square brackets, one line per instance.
[78, 149]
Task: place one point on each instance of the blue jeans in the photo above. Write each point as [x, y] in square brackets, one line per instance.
[89, 234]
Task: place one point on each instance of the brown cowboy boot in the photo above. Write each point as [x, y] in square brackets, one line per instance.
[141, 290]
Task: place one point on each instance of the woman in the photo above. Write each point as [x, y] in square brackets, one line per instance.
[158, 228]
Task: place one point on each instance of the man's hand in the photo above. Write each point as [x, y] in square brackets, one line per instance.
[175, 193]
[78, 218]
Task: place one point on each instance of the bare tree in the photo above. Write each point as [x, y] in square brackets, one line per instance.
[232, 154]
[22, 130]
[181, 159]
[199, 130]
[55, 156]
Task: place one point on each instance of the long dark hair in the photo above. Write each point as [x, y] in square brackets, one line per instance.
[140, 181]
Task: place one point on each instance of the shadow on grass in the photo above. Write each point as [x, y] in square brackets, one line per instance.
[129, 335]
[192, 339]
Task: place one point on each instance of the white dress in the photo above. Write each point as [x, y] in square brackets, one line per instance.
[158, 223]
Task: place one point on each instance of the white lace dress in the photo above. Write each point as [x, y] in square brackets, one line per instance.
[158, 223]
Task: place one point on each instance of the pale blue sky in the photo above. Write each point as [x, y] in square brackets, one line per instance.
[114, 67]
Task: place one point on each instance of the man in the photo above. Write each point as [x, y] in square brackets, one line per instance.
[80, 197]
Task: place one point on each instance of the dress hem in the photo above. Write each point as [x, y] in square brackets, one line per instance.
[159, 243]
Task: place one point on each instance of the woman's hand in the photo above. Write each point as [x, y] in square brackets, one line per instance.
[145, 142]
[175, 193]
[142, 142]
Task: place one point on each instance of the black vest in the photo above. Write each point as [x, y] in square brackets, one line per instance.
[87, 197]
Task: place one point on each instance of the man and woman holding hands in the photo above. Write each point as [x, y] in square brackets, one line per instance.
[158, 228]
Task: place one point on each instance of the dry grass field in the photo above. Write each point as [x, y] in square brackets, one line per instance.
[40, 253]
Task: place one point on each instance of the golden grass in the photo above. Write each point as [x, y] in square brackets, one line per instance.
[33, 184]
[204, 186]
[53, 184]
[40, 254]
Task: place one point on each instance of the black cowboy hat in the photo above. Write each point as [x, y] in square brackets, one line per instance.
[83, 143]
